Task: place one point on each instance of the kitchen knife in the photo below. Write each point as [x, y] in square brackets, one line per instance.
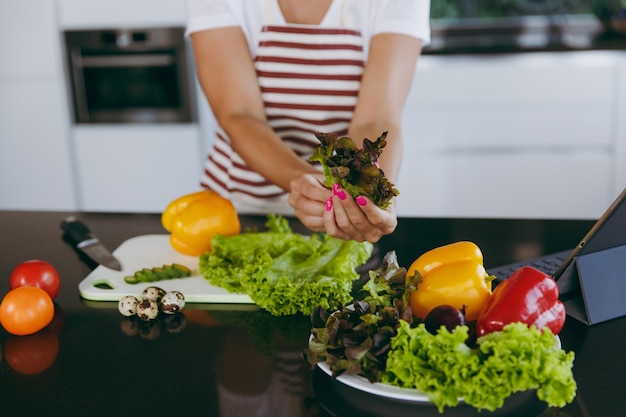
[79, 235]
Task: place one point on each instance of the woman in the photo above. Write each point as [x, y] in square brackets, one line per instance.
[276, 71]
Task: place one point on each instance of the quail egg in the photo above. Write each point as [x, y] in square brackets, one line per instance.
[128, 305]
[172, 302]
[153, 293]
[147, 309]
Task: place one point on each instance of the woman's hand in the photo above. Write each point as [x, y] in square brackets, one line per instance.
[337, 213]
[357, 218]
[308, 197]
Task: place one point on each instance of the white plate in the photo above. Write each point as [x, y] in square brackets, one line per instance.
[385, 390]
[377, 388]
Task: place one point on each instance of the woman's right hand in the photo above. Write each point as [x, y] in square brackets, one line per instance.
[337, 213]
[308, 197]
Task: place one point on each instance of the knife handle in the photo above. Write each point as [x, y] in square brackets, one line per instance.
[75, 230]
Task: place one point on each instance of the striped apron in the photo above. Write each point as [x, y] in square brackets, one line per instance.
[309, 78]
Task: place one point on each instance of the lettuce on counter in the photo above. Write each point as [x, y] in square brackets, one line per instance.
[518, 358]
[285, 272]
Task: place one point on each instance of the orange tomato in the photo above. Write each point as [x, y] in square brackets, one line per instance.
[26, 310]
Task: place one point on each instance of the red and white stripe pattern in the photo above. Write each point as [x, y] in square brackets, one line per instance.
[309, 78]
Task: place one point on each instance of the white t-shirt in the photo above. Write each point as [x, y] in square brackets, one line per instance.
[370, 17]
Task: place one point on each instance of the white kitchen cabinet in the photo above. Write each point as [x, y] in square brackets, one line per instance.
[28, 39]
[524, 135]
[35, 167]
[106, 14]
[135, 168]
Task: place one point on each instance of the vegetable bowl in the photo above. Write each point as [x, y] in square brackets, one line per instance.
[375, 345]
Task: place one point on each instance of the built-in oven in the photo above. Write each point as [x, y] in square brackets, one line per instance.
[130, 76]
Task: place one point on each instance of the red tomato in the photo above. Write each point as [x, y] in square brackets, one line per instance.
[32, 354]
[36, 273]
[26, 310]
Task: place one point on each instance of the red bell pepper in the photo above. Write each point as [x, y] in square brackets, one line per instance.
[528, 296]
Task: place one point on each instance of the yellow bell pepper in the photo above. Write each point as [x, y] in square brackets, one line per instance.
[453, 252]
[193, 219]
[452, 274]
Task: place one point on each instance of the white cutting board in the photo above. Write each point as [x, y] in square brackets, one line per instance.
[149, 251]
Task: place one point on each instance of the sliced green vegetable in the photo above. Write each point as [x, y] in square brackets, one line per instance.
[165, 272]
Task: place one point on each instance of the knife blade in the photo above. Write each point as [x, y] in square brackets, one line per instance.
[79, 235]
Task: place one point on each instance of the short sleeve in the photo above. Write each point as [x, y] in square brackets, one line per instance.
[211, 14]
[409, 17]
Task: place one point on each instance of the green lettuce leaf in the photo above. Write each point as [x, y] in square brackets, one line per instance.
[446, 369]
[285, 272]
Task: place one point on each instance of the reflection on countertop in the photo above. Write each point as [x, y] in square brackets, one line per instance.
[522, 34]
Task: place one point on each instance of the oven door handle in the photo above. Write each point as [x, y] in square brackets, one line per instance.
[144, 60]
[80, 93]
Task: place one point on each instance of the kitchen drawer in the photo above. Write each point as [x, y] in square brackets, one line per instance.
[480, 127]
[487, 127]
[136, 168]
[562, 77]
[576, 184]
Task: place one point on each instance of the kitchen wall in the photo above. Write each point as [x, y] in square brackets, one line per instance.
[504, 135]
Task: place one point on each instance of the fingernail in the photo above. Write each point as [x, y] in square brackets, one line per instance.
[335, 188]
[329, 204]
[341, 194]
[361, 201]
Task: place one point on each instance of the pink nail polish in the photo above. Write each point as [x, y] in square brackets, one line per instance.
[335, 188]
[361, 201]
[329, 204]
[341, 194]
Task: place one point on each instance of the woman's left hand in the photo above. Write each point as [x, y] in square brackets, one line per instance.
[357, 218]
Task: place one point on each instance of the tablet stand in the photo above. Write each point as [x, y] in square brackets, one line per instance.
[593, 287]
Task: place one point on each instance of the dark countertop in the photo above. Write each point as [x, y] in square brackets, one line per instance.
[223, 362]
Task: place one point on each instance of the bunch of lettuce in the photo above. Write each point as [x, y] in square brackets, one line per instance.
[354, 169]
[355, 339]
[516, 359]
[285, 272]
[387, 287]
